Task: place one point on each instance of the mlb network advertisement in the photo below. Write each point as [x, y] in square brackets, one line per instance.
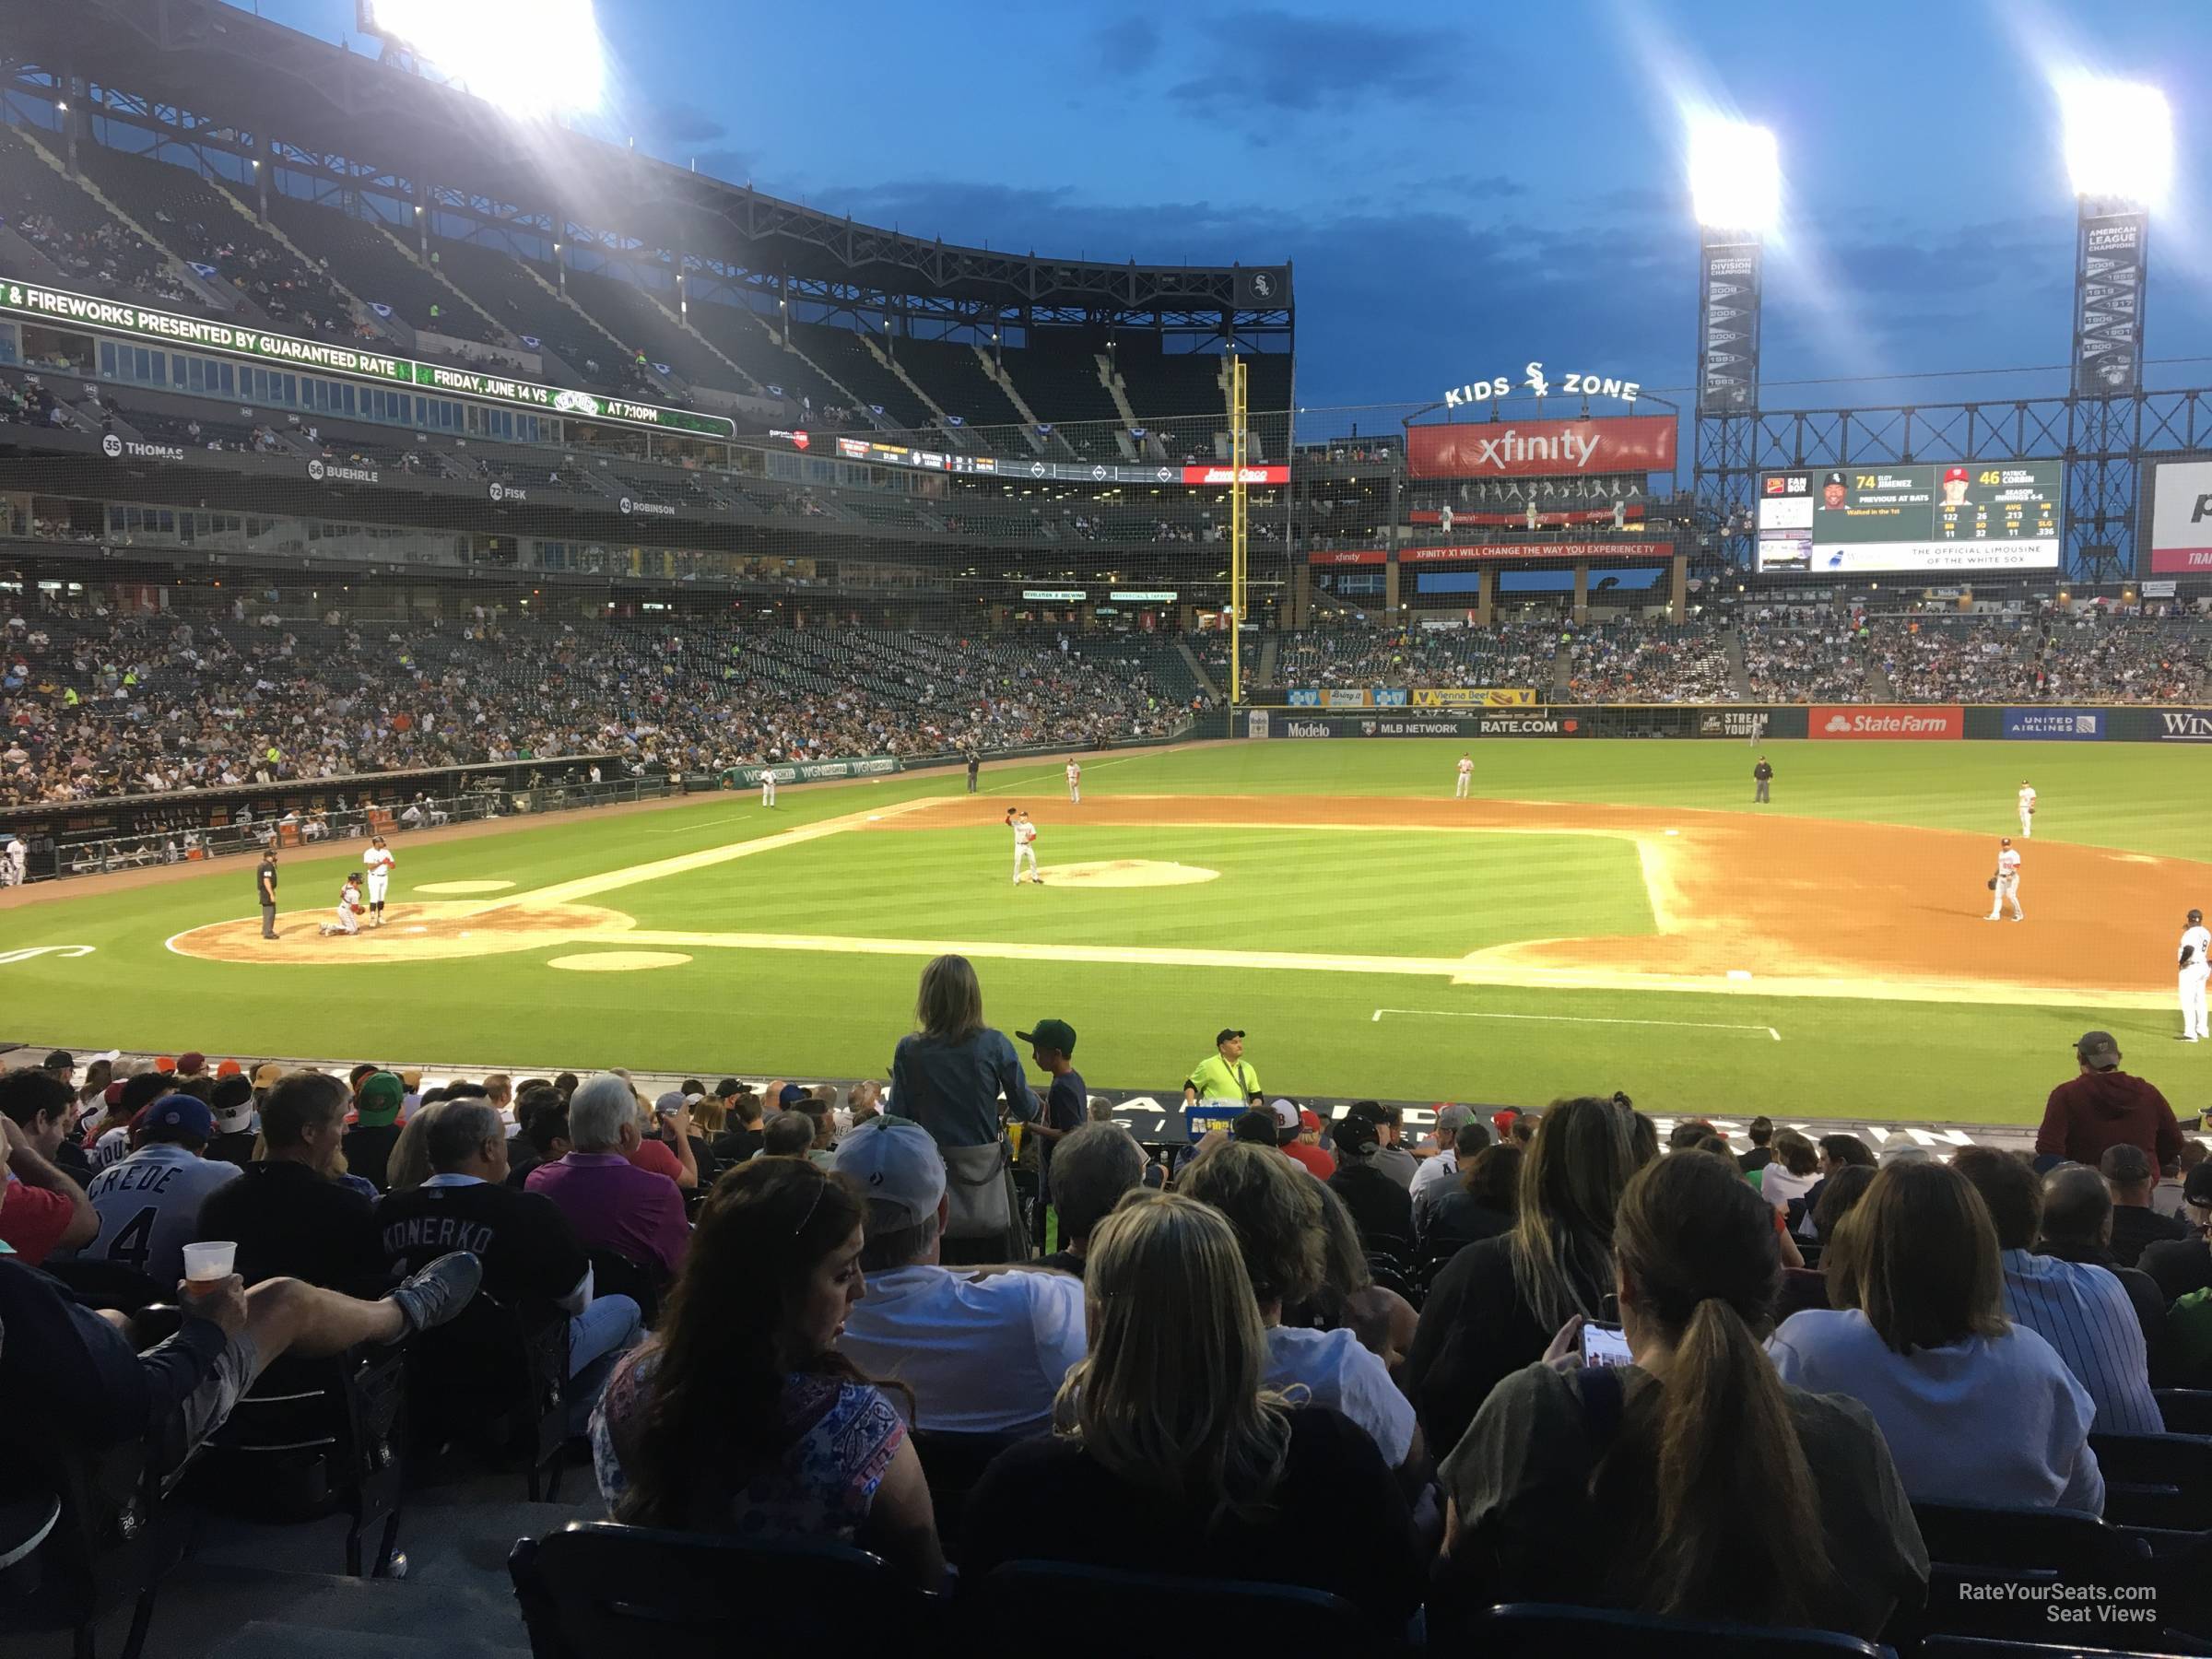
[2181, 518]
[1941, 518]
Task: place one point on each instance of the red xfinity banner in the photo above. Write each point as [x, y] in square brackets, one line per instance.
[1227, 474]
[1895, 723]
[1539, 448]
[1496, 551]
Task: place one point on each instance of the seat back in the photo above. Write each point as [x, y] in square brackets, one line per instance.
[953, 1463]
[1542, 1631]
[1991, 1569]
[598, 1590]
[1083, 1612]
[110, 1538]
[310, 1436]
[616, 1274]
[2162, 1481]
[100, 1284]
[2186, 1410]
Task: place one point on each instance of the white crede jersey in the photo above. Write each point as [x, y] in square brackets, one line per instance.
[1466, 766]
[379, 861]
[2009, 864]
[2027, 797]
[2201, 938]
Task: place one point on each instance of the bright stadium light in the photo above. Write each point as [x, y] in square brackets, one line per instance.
[531, 57]
[2119, 139]
[1734, 175]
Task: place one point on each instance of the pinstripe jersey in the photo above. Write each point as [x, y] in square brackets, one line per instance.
[2083, 1312]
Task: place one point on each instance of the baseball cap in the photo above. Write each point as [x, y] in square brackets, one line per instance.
[1834, 477]
[2099, 1049]
[177, 1117]
[61, 1060]
[1286, 1113]
[671, 1102]
[729, 1086]
[793, 1095]
[1356, 1133]
[112, 1096]
[896, 1164]
[229, 1068]
[267, 1075]
[1503, 1119]
[1449, 1119]
[233, 1104]
[1053, 1034]
[380, 1098]
[1225, 1035]
[2198, 1188]
[1309, 1119]
[190, 1063]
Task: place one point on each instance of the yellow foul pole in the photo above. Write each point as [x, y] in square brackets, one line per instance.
[1237, 525]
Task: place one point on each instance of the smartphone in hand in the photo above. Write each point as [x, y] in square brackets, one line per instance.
[1604, 1345]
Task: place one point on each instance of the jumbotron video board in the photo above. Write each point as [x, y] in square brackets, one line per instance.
[1944, 518]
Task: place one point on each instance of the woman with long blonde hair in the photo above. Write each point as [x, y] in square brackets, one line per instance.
[1169, 1455]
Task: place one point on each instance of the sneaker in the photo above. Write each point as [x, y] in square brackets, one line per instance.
[439, 1291]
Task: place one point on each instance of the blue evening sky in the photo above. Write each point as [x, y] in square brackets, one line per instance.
[1461, 187]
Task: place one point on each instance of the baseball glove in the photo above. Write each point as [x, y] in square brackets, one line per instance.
[361, 910]
[1991, 884]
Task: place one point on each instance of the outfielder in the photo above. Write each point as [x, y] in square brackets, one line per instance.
[2195, 967]
[768, 786]
[1075, 781]
[349, 908]
[1025, 848]
[16, 868]
[2026, 809]
[379, 861]
[1466, 777]
[2005, 884]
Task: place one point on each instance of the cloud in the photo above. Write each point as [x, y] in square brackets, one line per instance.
[682, 122]
[734, 166]
[1126, 47]
[1261, 65]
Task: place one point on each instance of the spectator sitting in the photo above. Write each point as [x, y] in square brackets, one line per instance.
[1380, 1208]
[1720, 1493]
[1258, 1127]
[529, 1251]
[2080, 1310]
[409, 1165]
[1469, 1141]
[149, 1204]
[740, 1414]
[791, 1135]
[671, 1156]
[1480, 1205]
[863, 1100]
[741, 1139]
[2130, 1175]
[541, 1116]
[1440, 1169]
[2078, 1227]
[1390, 1157]
[1275, 1213]
[288, 1216]
[1094, 1168]
[375, 1131]
[46, 1211]
[1498, 1302]
[1348, 1298]
[1838, 1153]
[233, 1106]
[673, 1127]
[1172, 1455]
[982, 1354]
[1793, 1172]
[1804, 1287]
[2167, 1198]
[1304, 1146]
[611, 1203]
[1975, 1409]
[1761, 1134]
[2105, 1107]
[2180, 1267]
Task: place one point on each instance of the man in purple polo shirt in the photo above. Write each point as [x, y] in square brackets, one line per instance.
[608, 1200]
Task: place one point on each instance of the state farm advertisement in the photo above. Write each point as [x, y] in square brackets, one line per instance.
[2181, 518]
[1542, 449]
[1899, 722]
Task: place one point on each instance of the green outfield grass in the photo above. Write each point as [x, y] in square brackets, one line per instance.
[821, 1013]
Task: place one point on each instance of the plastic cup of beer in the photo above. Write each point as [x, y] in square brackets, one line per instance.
[208, 1265]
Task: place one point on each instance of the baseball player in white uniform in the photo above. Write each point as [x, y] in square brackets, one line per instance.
[2195, 967]
[2009, 883]
[349, 908]
[1025, 846]
[1467, 778]
[16, 868]
[2026, 809]
[380, 861]
[768, 786]
[1074, 782]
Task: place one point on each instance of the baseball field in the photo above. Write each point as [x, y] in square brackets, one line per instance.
[1600, 915]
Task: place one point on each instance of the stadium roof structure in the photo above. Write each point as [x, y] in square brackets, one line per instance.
[213, 74]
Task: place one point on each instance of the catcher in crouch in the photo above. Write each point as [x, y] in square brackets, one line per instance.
[349, 908]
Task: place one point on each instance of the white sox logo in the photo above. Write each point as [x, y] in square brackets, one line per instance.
[1535, 381]
[29, 951]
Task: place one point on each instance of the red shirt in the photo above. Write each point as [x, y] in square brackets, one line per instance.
[655, 1156]
[2103, 1109]
[32, 1220]
[1317, 1160]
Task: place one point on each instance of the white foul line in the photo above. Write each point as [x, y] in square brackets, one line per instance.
[1699, 1025]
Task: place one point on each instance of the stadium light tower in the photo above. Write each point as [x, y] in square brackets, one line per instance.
[532, 58]
[2119, 148]
[1735, 187]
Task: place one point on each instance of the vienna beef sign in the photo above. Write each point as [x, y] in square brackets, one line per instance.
[334, 357]
[1541, 449]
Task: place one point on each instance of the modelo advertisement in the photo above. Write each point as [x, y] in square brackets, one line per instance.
[1885, 723]
[1975, 515]
[2055, 725]
[2181, 518]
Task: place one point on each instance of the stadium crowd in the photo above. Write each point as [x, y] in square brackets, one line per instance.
[1509, 654]
[1651, 662]
[2053, 657]
[1800, 658]
[96, 704]
[1336, 1355]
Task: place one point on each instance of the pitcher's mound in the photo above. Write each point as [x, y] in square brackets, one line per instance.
[1127, 873]
[415, 933]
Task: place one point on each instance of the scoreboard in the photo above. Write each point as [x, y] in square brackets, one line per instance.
[1945, 517]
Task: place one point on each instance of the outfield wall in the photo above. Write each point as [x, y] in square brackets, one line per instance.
[1820, 722]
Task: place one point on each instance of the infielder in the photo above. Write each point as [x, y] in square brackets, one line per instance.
[2195, 967]
[2005, 884]
[379, 861]
[2026, 809]
[16, 868]
[1466, 777]
[768, 786]
[1025, 847]
[349, 908]
[1075, 781]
